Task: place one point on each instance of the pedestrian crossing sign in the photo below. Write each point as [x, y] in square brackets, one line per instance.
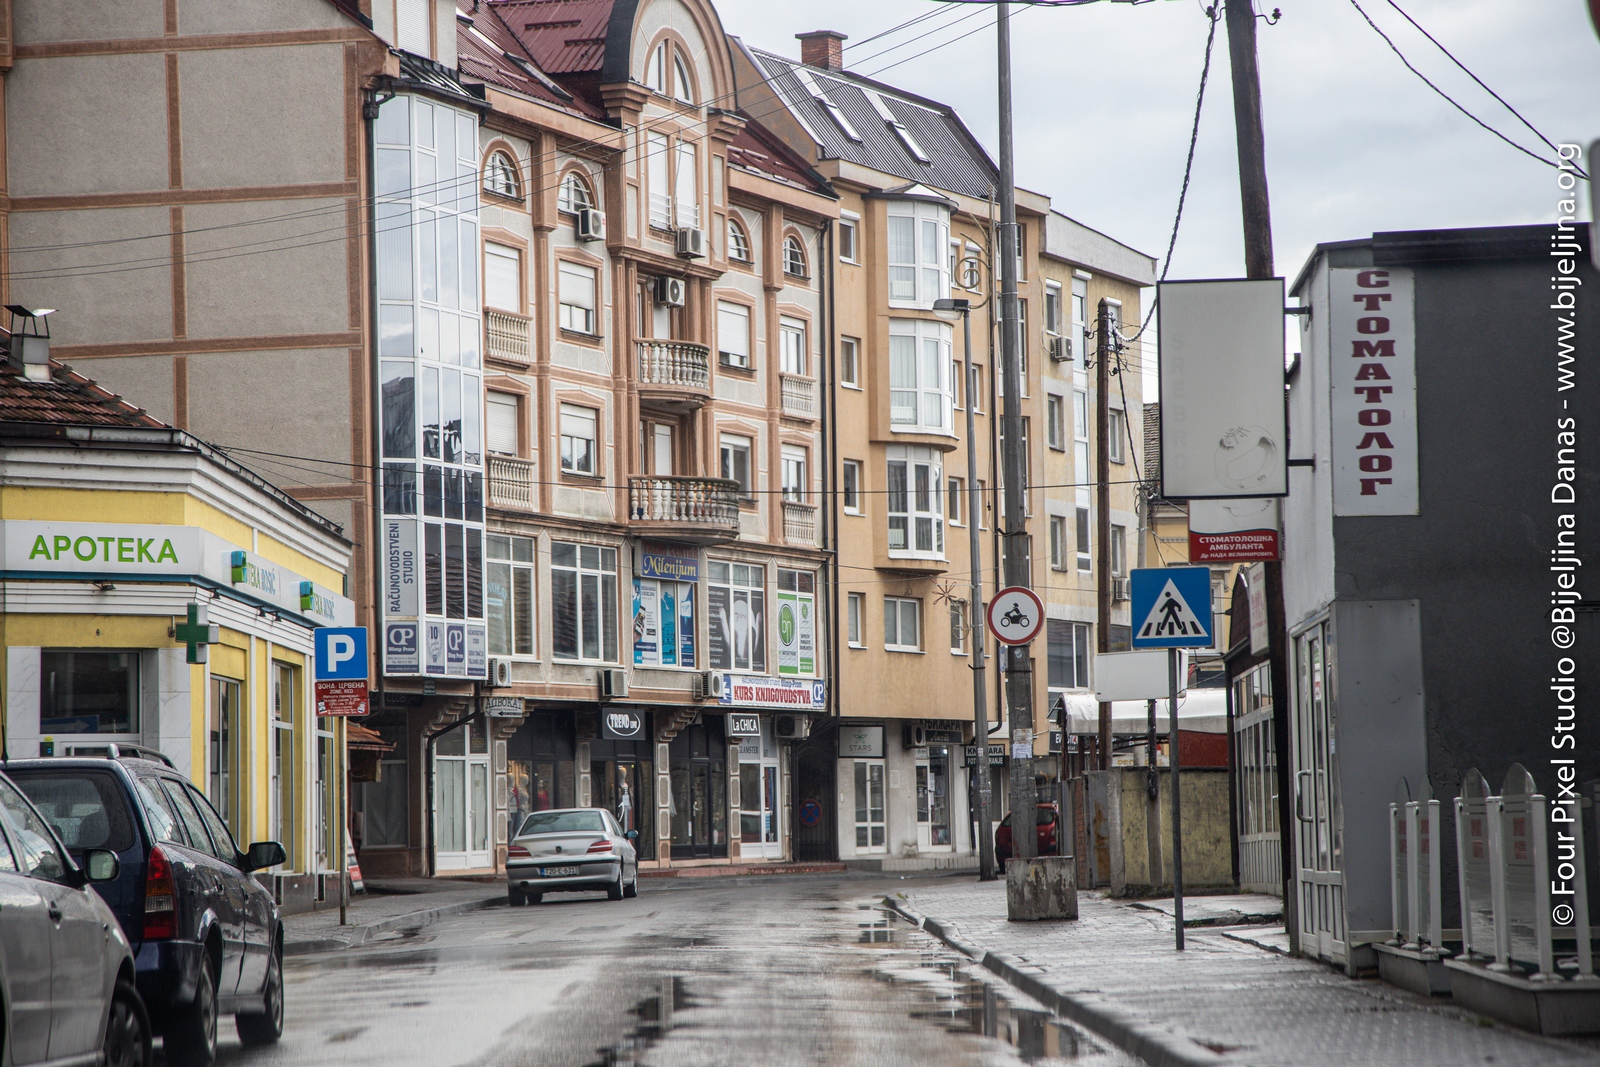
[1171, 607]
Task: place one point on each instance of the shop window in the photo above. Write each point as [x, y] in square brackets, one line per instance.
[663, 623]
[797, 622]
[736, 606]
[225, 748]
[583, 597]
[86, 691]
[281, 805]
[508, 595]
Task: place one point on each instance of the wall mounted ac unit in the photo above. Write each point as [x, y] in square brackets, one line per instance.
[1119, 589]
[591, 224]
[499, 673]
[692, 243]
[670, 292]
[708, 685]
[1061, 349]
[913, 736]
[613, 684]
[792, 727]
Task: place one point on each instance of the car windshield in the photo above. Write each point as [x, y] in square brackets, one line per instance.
[562, 822]
[1045, 817]
[86, 808]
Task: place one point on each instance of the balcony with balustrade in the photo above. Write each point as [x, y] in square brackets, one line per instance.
[800, 523]
[702, 511]
[799, 397]
[512, 484]
[674, 375]
[507, 337]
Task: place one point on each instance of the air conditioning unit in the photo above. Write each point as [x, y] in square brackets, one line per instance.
[792, 727]
[591, 224]
[912, 736]
[708, 685]
[1061, 349]
[499, 673]
[1119, 589]
[670, 292]
[613, 684]
[692, 243]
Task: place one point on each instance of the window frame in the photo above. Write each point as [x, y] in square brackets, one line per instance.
[515, 566]
[1085, 544]
[739, 248]
[727, 357]
[1058, 542]
[735, 444]
[852, 225]
[501, 163]
[722, 574]
[850, 486]
[794, 346]
[516, 255]
[850, 362]
[565, 269]
[572, 178]
[900, 605]
[1115, 422]
[929, 265]
[134, 665]
[955, 503]
[796, 462]
[913, 517]
[1054, 411]
[794, 255]
[921, 333]
[1078, 653]
[959, 628]
[1119, 550]
[579, 411]
[606, 635]
[855, 637]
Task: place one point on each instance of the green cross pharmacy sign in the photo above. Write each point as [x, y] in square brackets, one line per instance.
[197, 633]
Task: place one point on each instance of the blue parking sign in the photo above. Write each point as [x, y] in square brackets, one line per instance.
[341, 653]
[1171, 607]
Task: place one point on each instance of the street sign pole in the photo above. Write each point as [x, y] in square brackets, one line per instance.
[342, 667]
[1172, 761]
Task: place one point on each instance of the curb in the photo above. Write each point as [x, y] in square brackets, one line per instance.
[1157, 1047]
[410, 920]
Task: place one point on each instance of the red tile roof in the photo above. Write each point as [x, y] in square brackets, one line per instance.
[67, 399]
[563, 36]
[487, 51]
[757, 149]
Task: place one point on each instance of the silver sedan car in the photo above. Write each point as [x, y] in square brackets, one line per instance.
[564, 850]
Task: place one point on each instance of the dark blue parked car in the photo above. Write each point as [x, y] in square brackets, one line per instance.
[206, 937]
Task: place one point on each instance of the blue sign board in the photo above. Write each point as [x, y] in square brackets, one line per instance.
[655, 563]
[1171, 607]
[341, 653]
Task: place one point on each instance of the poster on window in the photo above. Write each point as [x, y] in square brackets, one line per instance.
[646, 624]
[796, 634]
[737, 638]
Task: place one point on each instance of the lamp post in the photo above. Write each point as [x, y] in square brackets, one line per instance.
[980, 711]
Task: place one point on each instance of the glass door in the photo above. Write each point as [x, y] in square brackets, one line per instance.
[760, 833]
[462, 812]
[1319, 840]
[871, 831]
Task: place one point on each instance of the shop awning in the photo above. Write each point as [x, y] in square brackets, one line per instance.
[1201, 710]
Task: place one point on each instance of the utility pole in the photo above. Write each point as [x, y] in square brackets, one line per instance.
[1019, 668]
[1103, 349]
[978, 639]
[1258, 264]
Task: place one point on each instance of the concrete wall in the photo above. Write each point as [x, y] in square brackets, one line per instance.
[1120, 823]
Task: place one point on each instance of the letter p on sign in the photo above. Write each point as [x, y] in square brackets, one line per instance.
[341, 653]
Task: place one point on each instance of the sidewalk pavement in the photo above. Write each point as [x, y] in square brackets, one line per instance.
[1225, 1000]
[388, 904]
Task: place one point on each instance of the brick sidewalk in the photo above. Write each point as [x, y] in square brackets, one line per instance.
[1224, 1001]
[424, 901]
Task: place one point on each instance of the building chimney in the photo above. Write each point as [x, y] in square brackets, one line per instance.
[822, 48]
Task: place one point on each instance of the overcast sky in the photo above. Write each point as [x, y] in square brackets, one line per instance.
[1104, 98]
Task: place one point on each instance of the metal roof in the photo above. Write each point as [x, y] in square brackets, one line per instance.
[844, 103]
[563, 36]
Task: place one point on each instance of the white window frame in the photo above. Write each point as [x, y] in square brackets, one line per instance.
[1117, 419]
[1054, 417]
[577, 316]
[850, 486]
[796, 463]
[682, 84]
[602, 572]
[958, 627]
[573, 417]
[729, 447]
[902, 607]
[576, 193]
[738, 241]
[1052, 309]
[920, 350]
[1084, 523]
[658, 177]
[1080, 437]
[496, 258]
[498, 402]
[851, 225]
[854, 603]
[1119, 550]
[519, 564]
[850, 362]
[1058, 542]
[915, 513]
[1080, 324]
[500, 176]
[686, 184]
[956, 500]
[925, 277]
[728, 329]
[795, 356]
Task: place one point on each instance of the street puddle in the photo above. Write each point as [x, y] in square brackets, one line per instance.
[655, 1014]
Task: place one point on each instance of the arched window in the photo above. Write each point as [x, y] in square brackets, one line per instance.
[655, 72]
[794, 257]
[682, 84]
[738, 242]
[575, 193]
[500, 177]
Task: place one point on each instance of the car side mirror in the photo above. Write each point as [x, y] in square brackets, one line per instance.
[632, 835]
[264, 854]
[101, 865]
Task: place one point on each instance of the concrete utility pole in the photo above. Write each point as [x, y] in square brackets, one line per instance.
[1258, 264]
[1103, 351]
[1019, 669]
[979, 638]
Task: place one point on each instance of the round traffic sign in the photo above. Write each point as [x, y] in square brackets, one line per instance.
[1016, 615]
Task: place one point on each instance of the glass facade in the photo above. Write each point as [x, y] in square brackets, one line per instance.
[429, 353]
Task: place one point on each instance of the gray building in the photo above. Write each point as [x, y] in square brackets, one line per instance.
[1444, 479]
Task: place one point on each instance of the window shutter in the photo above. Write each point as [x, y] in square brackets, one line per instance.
[502, 277]
[503, 435]
[411, 26]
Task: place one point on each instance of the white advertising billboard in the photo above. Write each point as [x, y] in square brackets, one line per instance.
[1223, 422]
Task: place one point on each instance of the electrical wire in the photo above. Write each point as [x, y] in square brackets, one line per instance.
[1447, 97]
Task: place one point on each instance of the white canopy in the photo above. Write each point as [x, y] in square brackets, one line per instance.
[1201, 710]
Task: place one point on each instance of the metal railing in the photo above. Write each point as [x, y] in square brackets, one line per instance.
[799, 523]
[678, 363]
[511, 483]
[507, 336]
[799, 396]
[682, 501]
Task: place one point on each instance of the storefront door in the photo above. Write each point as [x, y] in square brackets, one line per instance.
[540, 773]
[621, 782]
[1319, 841]
[760, 833]
[700, 792]
[461, 799]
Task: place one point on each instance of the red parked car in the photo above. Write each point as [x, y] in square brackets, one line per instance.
[1047, 820]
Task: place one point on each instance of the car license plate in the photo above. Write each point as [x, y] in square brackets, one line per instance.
[557, 872]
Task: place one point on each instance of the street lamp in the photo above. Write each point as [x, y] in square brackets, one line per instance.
[947, 307]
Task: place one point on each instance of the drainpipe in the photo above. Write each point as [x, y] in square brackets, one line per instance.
[830, 442]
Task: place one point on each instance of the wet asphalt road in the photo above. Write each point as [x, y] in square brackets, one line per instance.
[751, 971]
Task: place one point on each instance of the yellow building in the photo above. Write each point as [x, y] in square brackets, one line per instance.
[158, 594]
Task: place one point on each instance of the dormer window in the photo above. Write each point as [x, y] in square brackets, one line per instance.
[899, 129]
[500, 177]
[815, 89]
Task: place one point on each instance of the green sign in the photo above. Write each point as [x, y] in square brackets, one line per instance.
[197, 633]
